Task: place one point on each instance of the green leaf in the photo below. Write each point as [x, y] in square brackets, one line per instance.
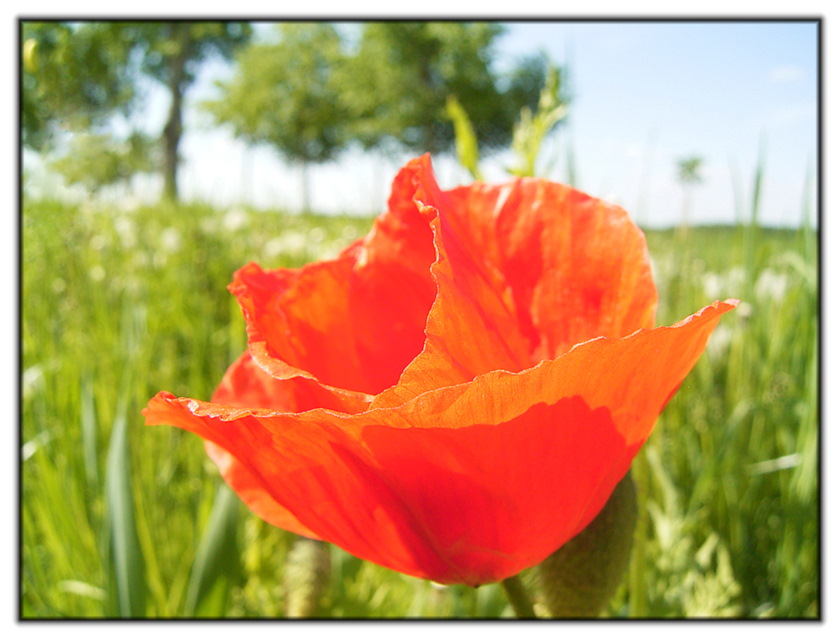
[532, 128]
[126, 556]
[88, 424]
[466, 144]
[217, 560]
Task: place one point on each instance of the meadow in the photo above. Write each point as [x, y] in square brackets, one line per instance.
[123, 520]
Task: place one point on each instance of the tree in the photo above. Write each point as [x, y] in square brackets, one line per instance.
[98, 160]
[172, 54]
[397, 83]
[79, 75]
[688, 174]
[284, 94]
[72, 78]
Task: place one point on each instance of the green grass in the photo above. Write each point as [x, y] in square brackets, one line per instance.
[120, 519]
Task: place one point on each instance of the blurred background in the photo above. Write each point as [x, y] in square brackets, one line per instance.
[159, 157]
[643, 97]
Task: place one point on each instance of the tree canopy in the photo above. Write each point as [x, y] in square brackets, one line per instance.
[97, 160]
[285, 94]
[311, 92]
[399, 79]
[73, 78]
[76, 76]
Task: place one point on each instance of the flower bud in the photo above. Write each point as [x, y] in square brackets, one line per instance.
[306, 576]
[578, 580]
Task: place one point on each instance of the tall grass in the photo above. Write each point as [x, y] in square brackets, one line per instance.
[120, 519]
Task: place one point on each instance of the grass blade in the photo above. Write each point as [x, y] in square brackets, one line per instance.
[88, 424]
[466, 144]
[128, 570]
[751, 228]
[217, 559]
[757, 181]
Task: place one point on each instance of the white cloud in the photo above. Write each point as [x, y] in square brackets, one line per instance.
[787, 73]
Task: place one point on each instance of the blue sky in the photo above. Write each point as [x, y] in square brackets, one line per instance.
[644, 95]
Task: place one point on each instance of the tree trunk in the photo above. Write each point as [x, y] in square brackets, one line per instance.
[174, 125]
[304, 184]
[686, 212]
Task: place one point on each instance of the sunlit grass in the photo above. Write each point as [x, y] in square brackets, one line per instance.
[118, 305]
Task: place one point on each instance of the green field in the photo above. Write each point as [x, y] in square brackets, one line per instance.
[121, 519]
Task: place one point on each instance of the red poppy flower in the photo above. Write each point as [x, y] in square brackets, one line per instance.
[457, 394]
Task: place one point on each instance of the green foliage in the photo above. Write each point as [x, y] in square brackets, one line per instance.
[97, 301]
[740, 440]
[693, 576]
[529, 133]
[688, 174]
[466, 145]
[217, 564]
[72, 77]
[171, 52]
[532, 128]
[688, 170]
[729, 501]
[95, 161]
[129, 586]
[397, 81]
[167, 45]
[76, 76]
[284, 94]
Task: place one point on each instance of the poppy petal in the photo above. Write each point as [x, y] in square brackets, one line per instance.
[513, 286]
[443, 504]
[354, 322]
[313, 465]
[443, 487]
[577, 267]
[251, 491]
[246, 385]
[633, 377]
[457, 394]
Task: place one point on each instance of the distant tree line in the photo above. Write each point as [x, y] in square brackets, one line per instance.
[309, 91]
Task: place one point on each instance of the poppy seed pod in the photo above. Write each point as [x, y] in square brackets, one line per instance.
[457, 394]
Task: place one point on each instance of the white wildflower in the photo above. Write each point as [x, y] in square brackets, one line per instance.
[713, 285]
[290, 243]
[98, 242]
[126, 231]
[771, 285]
[170, 240]
[235, 219]
[719, 341]
[735, 278]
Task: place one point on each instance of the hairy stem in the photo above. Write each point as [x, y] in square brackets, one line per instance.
[518, 597]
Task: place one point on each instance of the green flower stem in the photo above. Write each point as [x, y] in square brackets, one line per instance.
[637, 581]
[518, 598]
